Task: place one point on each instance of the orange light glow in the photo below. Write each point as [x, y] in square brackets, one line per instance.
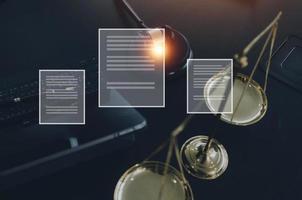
[158, 49]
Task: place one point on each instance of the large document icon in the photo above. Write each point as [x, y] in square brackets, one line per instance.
[131, 61]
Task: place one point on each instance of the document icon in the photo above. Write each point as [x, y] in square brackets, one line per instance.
[209, 86]
[132, 62]
[61, 97]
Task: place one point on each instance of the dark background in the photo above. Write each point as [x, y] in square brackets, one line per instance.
[265, 159]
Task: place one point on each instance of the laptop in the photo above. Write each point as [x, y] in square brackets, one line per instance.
[53, 35]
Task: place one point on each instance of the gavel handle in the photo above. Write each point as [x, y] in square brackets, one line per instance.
[133, 14]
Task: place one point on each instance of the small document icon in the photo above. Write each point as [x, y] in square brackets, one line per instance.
[209, 86]
[131, 61]
[61, 97]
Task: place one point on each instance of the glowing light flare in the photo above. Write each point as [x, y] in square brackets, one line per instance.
[158, 48]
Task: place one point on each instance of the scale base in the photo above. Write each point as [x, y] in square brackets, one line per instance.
[204, 166]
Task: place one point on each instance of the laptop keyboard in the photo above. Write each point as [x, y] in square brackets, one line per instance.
[21, 103]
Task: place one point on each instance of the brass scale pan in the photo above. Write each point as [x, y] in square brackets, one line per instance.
[252, 107]
[145, 180]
